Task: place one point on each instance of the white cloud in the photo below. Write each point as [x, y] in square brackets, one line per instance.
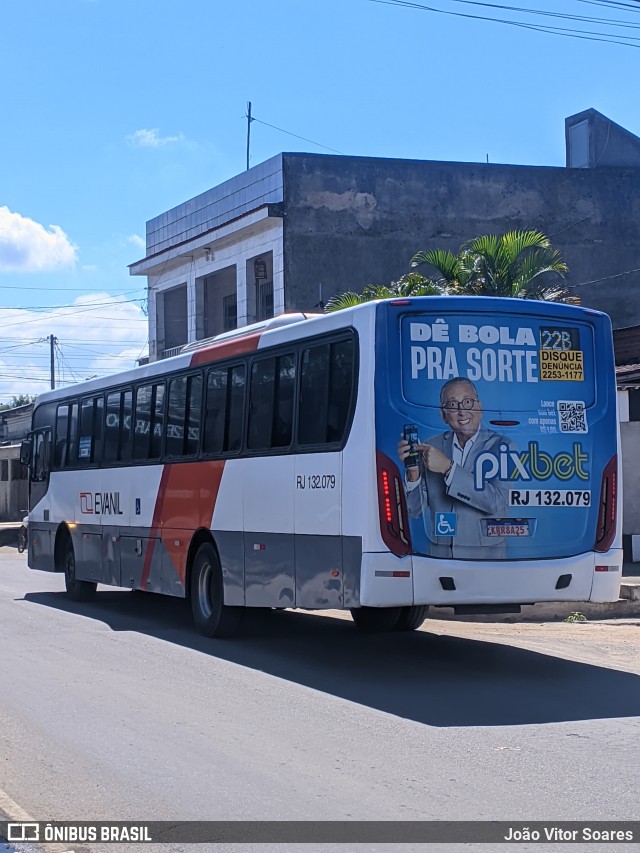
[137, 241]
[96, 336]
[149, 138]
[27, 246]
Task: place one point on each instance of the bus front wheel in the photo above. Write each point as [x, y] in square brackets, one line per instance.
[375, 620]
[211, 615]
[411, 618]
[77, 590]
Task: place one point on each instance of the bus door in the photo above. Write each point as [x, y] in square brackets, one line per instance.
[318, 528]
[326, 386]
[40, 549]
[268, 477]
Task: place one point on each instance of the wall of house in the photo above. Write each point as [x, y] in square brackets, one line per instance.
[234, 253]
[14, 485]
[353, 221]
[629, 451]
[593, 140]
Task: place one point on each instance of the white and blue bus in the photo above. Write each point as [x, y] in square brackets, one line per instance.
[455, 452]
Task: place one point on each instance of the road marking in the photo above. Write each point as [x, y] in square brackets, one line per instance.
[16, 814]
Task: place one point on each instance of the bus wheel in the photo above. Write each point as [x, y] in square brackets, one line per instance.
[77, 590]
[375, 620]
[211, 615]
[411, 618]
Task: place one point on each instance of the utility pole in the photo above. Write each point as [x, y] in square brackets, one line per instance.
[249, 120]
[52, 344]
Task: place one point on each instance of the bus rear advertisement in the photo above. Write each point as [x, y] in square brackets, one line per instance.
[433, 451]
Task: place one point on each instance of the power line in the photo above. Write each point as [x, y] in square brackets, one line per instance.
[110, 342]
[588, 35]
[545, 13]
[613, 4]
[84, 310]
[304, 139]
[605, 278]
[108, 302]
[71, 289]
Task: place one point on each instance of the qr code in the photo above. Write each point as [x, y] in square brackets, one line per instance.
[572, 416]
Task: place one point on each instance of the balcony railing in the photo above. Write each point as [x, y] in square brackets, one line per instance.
[167, 353]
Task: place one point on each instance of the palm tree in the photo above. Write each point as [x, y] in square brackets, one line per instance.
[510, 265]
[411, 284]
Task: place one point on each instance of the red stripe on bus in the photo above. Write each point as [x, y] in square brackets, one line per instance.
[225, 349]
[186, 499]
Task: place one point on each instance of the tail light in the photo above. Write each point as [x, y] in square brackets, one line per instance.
[392, 506]
[607, 508]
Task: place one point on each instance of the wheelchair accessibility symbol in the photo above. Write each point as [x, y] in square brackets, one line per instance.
[446, 523]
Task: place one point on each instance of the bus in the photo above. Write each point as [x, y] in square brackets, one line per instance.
[456, 452]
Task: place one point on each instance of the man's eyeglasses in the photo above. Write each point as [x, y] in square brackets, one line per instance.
[455, 405]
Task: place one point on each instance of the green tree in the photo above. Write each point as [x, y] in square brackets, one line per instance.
[411, 284]
[521, 264]
[17, 400]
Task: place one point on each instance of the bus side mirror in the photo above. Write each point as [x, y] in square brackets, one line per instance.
[25, 452]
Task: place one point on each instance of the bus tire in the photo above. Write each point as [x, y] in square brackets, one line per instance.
[211, 615]
[77, 590]
[375, 620]
[411, 618]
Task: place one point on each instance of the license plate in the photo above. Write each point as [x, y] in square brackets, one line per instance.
[504, 527]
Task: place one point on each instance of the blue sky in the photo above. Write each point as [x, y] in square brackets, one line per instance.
[116, 110]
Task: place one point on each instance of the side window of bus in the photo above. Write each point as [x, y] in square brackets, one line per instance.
[65, 455]
[224, 409]
[126, 426]
[193, 415]
[326, 385]
[149, 415]
[72, 447]
[112, 420]
[341, 381]
[62, 430]
[117, 427]
[271, 402]
[237, 389]
[90, 437]
[183, 416]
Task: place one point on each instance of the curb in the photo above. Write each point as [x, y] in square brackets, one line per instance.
[630, 591]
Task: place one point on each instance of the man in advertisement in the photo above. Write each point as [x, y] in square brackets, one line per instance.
[439, 479]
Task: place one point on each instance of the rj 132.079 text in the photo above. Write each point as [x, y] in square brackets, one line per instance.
[316, 481]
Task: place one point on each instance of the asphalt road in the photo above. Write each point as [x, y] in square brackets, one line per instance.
[118, 710]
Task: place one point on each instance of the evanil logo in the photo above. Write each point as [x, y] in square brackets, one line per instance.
[531, 464]
[100, 503]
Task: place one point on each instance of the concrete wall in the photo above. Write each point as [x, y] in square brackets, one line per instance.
[353, 221]
[594, 141]
[630, 441]
[14, 490]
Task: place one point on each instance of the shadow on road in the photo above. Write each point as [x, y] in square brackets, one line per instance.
[429, 678]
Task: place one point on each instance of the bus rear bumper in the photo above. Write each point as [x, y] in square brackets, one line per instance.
[584, 577]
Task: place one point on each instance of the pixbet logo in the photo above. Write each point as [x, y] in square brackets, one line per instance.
[531, 464]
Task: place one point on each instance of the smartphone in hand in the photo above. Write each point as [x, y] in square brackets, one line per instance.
[410, 433]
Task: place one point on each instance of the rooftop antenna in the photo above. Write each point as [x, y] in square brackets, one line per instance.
[249, 120]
